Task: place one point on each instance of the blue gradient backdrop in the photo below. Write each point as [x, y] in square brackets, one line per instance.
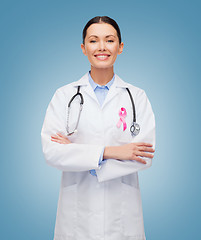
[40, 51]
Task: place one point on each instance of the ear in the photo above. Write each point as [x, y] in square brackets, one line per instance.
[83, 49]
[121, 46]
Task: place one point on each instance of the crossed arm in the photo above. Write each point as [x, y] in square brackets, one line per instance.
[131, 151]
[121, 160]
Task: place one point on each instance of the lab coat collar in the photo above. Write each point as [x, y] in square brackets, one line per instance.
[84, 81]
[116, 87]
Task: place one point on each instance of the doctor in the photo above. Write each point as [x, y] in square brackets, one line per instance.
[94, 148]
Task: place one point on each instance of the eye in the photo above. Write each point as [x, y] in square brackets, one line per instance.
[92, 41]
[110, 40]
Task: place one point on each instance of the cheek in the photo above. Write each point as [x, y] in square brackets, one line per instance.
[114, 49]
[90, 50]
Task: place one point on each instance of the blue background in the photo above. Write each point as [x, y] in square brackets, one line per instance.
[40, 51]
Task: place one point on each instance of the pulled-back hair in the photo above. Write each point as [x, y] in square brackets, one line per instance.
[101, 19]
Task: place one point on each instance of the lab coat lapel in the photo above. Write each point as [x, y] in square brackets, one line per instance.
[115, 89]
[88, 90]
[86, 87]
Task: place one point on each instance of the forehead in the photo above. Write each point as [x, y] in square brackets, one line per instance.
[99, 29]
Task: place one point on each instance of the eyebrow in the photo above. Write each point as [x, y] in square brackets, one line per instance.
[106, 36]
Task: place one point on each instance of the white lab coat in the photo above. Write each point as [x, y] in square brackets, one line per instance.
[106, 207]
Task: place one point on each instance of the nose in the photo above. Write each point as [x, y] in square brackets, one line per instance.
[102, 46]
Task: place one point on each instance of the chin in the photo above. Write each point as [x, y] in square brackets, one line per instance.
[102, 65]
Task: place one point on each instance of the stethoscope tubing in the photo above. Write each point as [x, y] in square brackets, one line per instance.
[133, 105]
[77, 94]
[134, 129]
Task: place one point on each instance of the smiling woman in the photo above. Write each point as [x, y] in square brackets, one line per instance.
[101, 45]
[96, 145]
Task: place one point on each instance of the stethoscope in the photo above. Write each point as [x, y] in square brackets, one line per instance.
[134, 129]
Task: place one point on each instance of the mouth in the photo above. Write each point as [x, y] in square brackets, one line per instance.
[102, 57]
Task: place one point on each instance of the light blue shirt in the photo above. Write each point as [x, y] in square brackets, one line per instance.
[101, 93]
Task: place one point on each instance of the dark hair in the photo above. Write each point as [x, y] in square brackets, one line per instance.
[100, 19]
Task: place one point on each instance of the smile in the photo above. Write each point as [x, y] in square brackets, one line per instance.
[102, 56]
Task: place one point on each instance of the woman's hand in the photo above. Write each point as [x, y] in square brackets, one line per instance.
[60, 138]
[131, 151]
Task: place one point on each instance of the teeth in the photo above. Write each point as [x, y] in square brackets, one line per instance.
[102, 56]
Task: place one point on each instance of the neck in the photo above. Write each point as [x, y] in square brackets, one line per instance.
[102, 76]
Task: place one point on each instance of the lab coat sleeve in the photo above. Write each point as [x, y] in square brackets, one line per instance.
[113, 168]
[66, 157]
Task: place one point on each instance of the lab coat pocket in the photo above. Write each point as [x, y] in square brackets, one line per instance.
[67, 211]
[132, 219]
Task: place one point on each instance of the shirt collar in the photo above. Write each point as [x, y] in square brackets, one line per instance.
[95, 85]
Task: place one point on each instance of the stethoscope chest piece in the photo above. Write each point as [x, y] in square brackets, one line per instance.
[135, 129]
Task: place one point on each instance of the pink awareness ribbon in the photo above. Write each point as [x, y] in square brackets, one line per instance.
[122, 115]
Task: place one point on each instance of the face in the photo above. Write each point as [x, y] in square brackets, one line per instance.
[102, 45]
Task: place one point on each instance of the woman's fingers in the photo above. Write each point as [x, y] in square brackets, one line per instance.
[56, 140]
[61, 135]
[146, 149]
[141, 150]
[54, 137]
[143, 144]
[59, 141]
[144, 154]
[60, 138]
[140, 160]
